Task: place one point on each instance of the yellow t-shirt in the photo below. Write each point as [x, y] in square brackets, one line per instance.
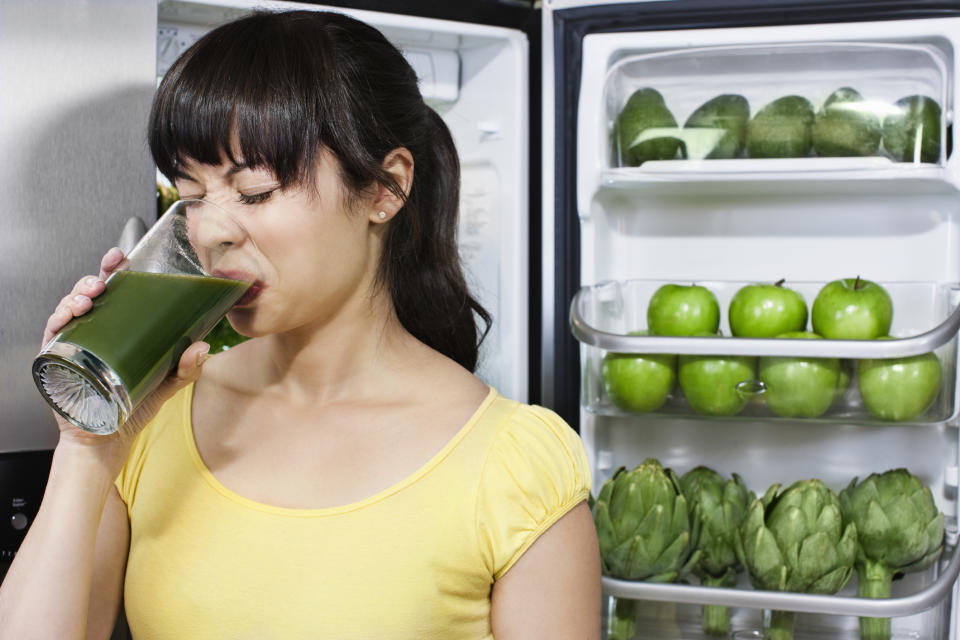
[415, 561]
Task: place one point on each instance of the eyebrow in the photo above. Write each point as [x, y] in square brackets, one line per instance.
[237, 168]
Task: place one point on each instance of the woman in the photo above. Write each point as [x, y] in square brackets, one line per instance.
[343, 474]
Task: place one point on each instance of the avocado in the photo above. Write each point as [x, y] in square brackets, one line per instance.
[845, 126]
[729, 112]
[782, 129]
[644, 110]
[913, 134]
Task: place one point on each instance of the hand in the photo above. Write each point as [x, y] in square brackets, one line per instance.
[112, 450]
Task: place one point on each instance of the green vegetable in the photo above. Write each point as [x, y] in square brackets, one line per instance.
[900, 530]
[722, 505]
[913, 134]
[222, 337]
[845, 126]
[796, 541]
[646, 532]
[166, 196]
[728, 112]
[782, 129]
[645, 110]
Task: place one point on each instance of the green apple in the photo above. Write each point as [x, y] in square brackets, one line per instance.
[683, 310]
[799, 387]
[766, 310]
[639, 382]
[899, 389]
[852, 309]
[709, 383]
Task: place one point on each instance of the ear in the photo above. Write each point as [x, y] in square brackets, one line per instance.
[399, 164]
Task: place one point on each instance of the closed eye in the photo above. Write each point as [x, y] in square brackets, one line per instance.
[255, 198]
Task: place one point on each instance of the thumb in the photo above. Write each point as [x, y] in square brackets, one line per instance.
[188, 369]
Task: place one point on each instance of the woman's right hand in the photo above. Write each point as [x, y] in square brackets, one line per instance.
[112, 449]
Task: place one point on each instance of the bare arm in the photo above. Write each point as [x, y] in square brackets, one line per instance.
[553, 590]
[109, 565]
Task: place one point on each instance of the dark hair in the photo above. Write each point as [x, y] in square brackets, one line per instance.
[281, 86]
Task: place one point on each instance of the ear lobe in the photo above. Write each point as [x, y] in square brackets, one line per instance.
[399, 164]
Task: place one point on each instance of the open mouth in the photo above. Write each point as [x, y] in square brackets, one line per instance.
[251, 294]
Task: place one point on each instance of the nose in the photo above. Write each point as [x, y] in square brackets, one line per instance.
[211, 227]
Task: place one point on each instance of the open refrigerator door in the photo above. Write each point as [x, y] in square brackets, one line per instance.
[709, 160]
[476, 77]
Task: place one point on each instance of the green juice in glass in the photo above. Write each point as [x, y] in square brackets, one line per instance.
[142, 323]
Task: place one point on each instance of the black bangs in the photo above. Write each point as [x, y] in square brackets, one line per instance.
[235, 95]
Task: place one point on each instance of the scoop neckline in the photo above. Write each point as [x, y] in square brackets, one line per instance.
[400, 485]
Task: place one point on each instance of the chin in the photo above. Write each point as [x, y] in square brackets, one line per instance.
[243, 322]
[246, 322]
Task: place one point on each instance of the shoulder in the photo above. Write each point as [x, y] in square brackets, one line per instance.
[533, 437]
[534, 472]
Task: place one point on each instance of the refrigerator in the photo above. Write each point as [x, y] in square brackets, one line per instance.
[621, 220]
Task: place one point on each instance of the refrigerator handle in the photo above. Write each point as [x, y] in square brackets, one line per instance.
[133, 230]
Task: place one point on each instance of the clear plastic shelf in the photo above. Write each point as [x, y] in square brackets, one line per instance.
[759, 111]
[922, 600]
[926, 319]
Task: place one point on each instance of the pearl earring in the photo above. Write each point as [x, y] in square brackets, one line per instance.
[382, 215]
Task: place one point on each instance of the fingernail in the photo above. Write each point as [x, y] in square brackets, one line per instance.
[79, 298]
[203, 357]
[91, 281]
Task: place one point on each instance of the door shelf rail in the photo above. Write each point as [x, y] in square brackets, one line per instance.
[584, 330]
[917, 602]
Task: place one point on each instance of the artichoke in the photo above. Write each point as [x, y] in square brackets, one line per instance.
[722, 505]
[796, 541]
[646, 532]
[901, 530]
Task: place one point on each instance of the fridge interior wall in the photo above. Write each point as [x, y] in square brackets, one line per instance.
[810, 220]
[475, 76]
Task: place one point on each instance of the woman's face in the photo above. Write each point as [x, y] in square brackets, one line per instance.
[312, 258]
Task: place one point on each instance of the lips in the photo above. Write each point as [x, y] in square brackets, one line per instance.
[252, 293]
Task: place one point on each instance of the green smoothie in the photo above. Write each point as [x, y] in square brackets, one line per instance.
[142, 323]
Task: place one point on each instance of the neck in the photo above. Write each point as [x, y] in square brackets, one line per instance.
[356, 354]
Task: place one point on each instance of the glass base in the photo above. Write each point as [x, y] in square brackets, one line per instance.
[81, 388]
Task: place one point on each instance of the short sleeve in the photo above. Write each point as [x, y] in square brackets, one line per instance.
[535, 472]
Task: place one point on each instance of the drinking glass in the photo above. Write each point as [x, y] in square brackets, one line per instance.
[176, 284]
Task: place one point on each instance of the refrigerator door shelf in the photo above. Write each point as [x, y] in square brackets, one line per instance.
[775, 101]
[935, 588]
[926, 317]
[603, 316]
[940, 586]
[735, 172]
